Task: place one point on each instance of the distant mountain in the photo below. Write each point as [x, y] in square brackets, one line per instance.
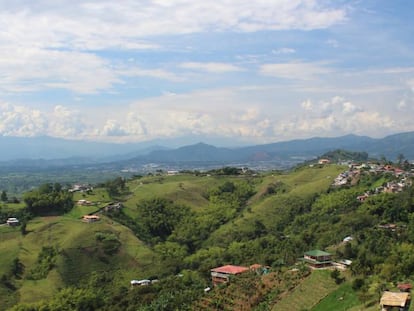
[48, 148]
[389, 147]
[41, 150]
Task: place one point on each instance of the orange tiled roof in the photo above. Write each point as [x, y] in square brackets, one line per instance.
[230, 269]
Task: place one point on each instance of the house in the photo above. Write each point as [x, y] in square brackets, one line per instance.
[347, 239]
[221, 275]
[259, 269]
[113, 207]
[391, 300]
[324, 161]
[317, 258]
[84, 202]
[404, 287]
[140, 282]
[12, 221]
[90, 218]
[80, 188]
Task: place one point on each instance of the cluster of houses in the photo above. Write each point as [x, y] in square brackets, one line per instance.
[317, 259]
[403, 178]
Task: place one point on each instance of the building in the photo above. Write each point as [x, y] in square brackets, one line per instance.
[12, 221]
[221, 275]
[317, 258]
[324, 161]
[84, 202]
[404, 287]
[90, 218]
[113, 207]
[392, 300]
[140, 283]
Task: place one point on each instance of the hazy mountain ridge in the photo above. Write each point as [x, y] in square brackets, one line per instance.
[47, 151]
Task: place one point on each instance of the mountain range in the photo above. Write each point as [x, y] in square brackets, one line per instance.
[56, 151]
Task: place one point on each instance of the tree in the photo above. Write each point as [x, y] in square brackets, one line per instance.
[3, 196]
[159, 216]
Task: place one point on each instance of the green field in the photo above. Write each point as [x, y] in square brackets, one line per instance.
[308, 293]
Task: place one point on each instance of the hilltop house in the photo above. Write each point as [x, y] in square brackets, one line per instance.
[317, 258]
[221, 275]
[324, 161]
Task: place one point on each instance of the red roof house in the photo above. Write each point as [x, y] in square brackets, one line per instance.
[404, 287]
[222, 274]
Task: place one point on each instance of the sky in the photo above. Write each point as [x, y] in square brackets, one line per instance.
[246, 71]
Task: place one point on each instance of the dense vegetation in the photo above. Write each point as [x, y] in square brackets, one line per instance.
[176, 228]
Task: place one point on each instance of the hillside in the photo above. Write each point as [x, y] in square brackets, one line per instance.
[176, 228]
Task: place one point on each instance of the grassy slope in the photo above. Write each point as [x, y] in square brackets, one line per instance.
[78, 256]
[308, 293]
[188, 190]
[343, 298]
[266, 208]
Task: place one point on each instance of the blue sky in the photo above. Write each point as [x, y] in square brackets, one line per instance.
[246, 71]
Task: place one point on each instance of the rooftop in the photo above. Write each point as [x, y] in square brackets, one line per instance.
[230, 269]
[394, 299]
[316, 253]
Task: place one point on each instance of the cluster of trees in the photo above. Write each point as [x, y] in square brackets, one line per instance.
[48, 199]
[115, 186]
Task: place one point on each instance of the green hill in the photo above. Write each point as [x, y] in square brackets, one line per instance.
[176, 228]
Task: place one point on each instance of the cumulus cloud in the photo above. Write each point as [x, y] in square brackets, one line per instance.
[336, 116]
[21, 121]
[18, 120]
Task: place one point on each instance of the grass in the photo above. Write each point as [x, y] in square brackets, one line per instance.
[10, 207]
[79, 254]
[308, 293]
[344, 298]
[182, 189]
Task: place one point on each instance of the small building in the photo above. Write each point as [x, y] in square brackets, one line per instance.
[347, 239]
[12, 221]
[140, 282]
[90, 218]
[84, 202]
[324, 161]
[392, 300]
[317, 258]
[113, 207]
[404, 287]
[221, 275]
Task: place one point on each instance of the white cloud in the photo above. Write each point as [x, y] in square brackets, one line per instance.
[211, 67]
[34, 69]
[100, 24]
[307, 105]
[284, 51]
[58, 44]
[296, 70]
[21, 121]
